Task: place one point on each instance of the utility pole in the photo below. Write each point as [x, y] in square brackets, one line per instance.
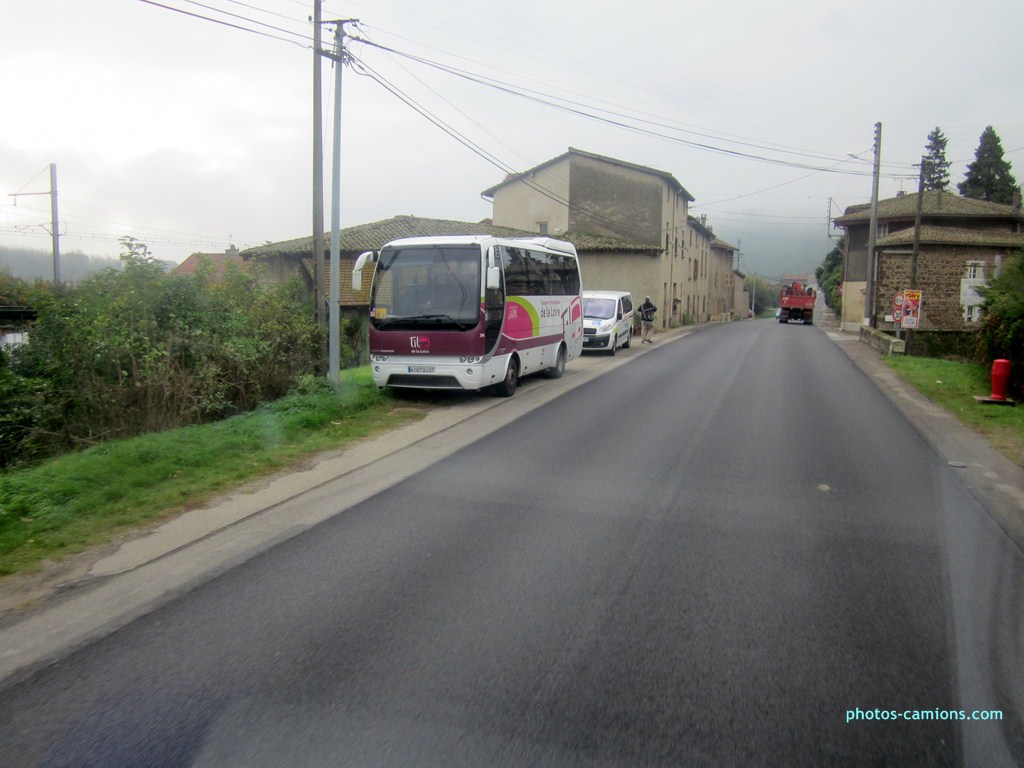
[318, 180]
[334, 346]
[869, 309]
[54, 224]
[54, 219]
[917, 225]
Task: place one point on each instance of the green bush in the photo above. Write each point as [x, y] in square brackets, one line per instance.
[1003, 327]
[830, 277]
[138, 350]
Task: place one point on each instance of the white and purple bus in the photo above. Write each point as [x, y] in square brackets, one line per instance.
[473, 311]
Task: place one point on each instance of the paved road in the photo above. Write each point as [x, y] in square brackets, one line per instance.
[640, 572]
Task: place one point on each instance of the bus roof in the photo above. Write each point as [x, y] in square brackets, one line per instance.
[550, 243]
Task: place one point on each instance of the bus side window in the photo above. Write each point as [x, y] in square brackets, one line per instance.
[539, 278]
[568, 275]
[517, 276]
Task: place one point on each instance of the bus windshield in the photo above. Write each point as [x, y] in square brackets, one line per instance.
[427, 287]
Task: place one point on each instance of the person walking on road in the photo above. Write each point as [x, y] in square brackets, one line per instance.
[647, 310]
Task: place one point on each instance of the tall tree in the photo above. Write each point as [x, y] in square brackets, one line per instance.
[936, 166]
[989, 177]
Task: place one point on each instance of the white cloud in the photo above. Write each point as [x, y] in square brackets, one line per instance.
[166, 123]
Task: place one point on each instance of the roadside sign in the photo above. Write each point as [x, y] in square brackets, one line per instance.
[910, 309]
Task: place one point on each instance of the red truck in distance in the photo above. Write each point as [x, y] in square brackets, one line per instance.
[797, 302]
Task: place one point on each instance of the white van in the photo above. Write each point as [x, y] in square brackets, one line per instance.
[607, 320]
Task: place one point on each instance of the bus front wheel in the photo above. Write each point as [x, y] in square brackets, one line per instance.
[507, 388]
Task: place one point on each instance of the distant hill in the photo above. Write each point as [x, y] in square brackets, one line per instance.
[35, 263]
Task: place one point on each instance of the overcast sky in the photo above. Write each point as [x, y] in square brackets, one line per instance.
[190, 134]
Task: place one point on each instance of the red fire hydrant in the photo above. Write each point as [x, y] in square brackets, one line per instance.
[1000, 378]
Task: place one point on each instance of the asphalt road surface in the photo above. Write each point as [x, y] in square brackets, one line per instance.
[731, 550]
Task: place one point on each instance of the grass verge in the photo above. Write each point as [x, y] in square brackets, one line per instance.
[953, 385]
[78, 500]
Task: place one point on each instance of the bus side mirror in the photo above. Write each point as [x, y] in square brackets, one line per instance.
[367, 257]
[493, 278]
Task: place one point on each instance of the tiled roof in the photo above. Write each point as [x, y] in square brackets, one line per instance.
[590, 243]
[937, 235]
[220, 262]
[716, 243]
[373, 236]
[580, 153]
[935, 204]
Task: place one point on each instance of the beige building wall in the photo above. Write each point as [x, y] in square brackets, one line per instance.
[854, 305]
[720, 283]
[604, 272]
[522, 206]
[609, 199]
[675, 210]
[696, 302]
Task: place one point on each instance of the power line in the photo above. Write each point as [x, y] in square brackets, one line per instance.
[226, 23]
[244, 18]
[580, 109]
[469, 144]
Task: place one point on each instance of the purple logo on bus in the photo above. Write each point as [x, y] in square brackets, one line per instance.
[420, 342]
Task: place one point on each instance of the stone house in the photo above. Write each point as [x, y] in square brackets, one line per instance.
[638, 213]
[293, 259]
[961, 244]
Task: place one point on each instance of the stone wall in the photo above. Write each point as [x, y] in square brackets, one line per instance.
[606, 199]
[939, 272]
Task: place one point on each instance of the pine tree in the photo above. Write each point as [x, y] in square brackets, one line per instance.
[936, 166]
[989, 177]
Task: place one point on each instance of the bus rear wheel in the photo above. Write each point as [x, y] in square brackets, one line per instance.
[556, 371]
[507, 388]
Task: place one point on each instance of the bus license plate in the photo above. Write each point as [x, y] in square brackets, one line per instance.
[421, 369]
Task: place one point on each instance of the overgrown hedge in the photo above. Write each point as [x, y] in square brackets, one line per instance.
[830, 277]
[1003, 326]
[138, 350]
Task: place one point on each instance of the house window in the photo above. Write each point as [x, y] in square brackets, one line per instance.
[542, 227]
[975, 270]
[972, 313]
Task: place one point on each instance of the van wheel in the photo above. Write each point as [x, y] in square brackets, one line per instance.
[556, 371]
[507, 388]
[629, 339]
[614, 346]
